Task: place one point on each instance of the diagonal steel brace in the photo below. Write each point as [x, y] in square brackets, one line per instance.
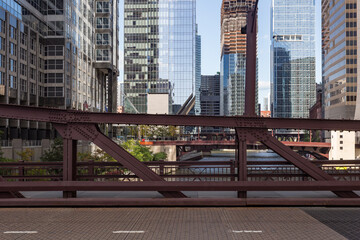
[303, 164]
[91, 132]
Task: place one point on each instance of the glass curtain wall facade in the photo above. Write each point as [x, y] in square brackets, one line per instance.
[293, 86]
[233, 56]
[49, 58]
[159, 54]
[197, 73]
[339, 45]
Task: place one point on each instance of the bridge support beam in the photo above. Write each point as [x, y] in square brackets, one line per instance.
[69, 164]
[303, 164]
[91, 132]
[241, 159]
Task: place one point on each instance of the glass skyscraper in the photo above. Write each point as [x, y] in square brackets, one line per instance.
[233, 56]
[197, 73]
[159, 54]
[293, 85]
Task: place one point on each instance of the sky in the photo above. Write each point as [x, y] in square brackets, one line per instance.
[208, 19]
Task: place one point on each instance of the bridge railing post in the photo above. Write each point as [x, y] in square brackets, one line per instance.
[21, 171]
[232, 170]
[69, 164]
[161, 167]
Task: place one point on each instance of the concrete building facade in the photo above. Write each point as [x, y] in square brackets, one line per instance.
[59, 53]
[339, 46]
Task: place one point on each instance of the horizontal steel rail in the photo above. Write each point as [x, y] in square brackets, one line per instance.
[181, 186]
[69, 116]
[335, 163]
[192, 202]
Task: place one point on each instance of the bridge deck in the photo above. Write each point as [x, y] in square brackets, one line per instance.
[179, 223]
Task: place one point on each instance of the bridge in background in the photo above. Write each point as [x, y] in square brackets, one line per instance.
[319, 150]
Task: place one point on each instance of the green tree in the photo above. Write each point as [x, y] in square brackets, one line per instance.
[55, 153]
[159, 156]
[142, 153]
[26, 154]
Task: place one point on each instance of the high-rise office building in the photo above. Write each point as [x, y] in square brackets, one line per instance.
[57, 53]
[197, 106]
[293, 84]
[159, 54]
[233, 56]
[339, 49]
[210, 95]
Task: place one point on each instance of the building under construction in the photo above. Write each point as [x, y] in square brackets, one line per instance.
[233, 55]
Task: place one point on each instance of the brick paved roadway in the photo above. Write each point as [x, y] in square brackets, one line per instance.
[176, 223]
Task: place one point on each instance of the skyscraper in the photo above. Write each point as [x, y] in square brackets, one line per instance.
[233, 56]
[57, 53]
[197, 72]
[159, 54]
[210, 95]
[339, 45]
[293, 85]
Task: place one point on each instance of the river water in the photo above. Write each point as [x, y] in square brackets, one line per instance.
[251, 156]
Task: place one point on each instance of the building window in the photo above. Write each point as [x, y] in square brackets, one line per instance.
[54, 91]
[102, 39]
[23, 54]
[102, 55]
[54, 64]
[54, 78]
[54, 51]
[33, 88]
[12, 32]
[2, 60]
[102, 22]
[41, 91]
[2, 43]
[2, 78]
[12, 82]
[23, 38]
[12, 65]
[32, 59]
[2, 26]
[32, 44]
[12, 49]
[32, 73]
[23, 69]
[102, 7]
[23, 85]
[341, 148]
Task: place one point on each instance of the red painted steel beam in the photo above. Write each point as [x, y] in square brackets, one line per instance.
[91, 132]
[241, 159]
[300, 162]
[9, 194]
[181, 186]
[64, 116]
[251, 54]
[163, 202]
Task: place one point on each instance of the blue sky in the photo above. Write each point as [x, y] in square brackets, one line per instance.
[208, 19]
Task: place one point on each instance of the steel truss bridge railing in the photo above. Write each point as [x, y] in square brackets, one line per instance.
[171, 178]
[300, 174]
